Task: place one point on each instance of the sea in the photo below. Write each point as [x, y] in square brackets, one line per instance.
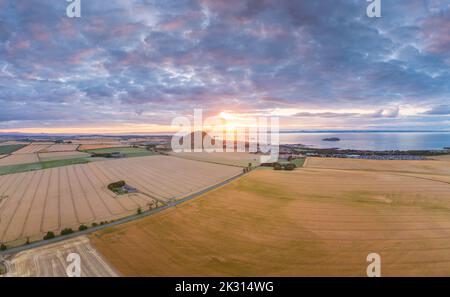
[374, 141]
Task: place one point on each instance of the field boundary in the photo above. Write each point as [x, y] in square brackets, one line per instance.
[170, 204]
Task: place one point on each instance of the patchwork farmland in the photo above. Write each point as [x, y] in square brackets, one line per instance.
[34, 203]
[308, 222]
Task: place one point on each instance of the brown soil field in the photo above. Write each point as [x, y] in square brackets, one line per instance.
[421, 166]
[234, 158]
[308, 222]
[32, 148]
[442, 158]
[61, 148]
[61, 156]
[12, 142]
[51, 261]
[19, 159]
[85, 147]
[66, 197]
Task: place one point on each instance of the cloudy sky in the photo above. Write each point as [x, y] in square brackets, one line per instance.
[133, 65]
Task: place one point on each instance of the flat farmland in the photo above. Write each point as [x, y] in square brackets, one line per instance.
[231, 158]
[52, 199]
[308, 222]
[19, 159]
[61, 148]
[50, 261]
[32, 148]
[423, 166]
[85, 147]
[62, 156]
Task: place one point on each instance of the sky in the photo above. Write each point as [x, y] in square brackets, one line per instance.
[131, 66]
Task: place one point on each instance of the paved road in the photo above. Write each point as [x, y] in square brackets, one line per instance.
[115, 223]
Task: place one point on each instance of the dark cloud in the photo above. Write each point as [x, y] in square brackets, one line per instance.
[139, 60]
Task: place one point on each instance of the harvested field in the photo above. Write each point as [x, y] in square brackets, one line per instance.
[234, 158]
[442, 158]
[85, 147]
[32, 148]
[422, 166]
[113, 141]
[62, 156]
[308, 222]
[61, 148]
[19, 159]
[13, 142]
[66, 197]
[51, 261]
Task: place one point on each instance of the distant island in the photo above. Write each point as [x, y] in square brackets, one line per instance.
[332, 139]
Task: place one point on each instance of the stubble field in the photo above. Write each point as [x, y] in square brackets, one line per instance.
[309, 222]
[52, 199]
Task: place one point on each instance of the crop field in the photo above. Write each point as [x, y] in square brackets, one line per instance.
[33, 148]
[8, 149]
[50, 261]
[307, 222]
[85, 147]
[108, 141]
[66, 197]
[61, 148]
[19, 159]
[62, 156]
[127, 151]
[234, 158]
[13, 142]
[422, 166]
[442, 158]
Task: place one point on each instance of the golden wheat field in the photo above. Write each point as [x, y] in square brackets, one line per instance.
[234, 158]
[32, 148]
[49, 200]
[61, 156]
[19, 159]
[308, 222]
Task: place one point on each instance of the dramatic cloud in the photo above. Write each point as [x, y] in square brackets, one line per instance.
[131, 63]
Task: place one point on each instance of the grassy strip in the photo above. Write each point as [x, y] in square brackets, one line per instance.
[42, 165]
[8, 149]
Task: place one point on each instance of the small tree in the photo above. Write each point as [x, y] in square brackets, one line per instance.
[277, 166]
[94, 224]
[28, 241]
[139, 211]
[49, 235]
[82, 228]
[290, 166]
[3, 247]
[66, 231]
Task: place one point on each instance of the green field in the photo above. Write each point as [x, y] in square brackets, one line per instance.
[127, 151]
[42, 165]
[8, 149]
